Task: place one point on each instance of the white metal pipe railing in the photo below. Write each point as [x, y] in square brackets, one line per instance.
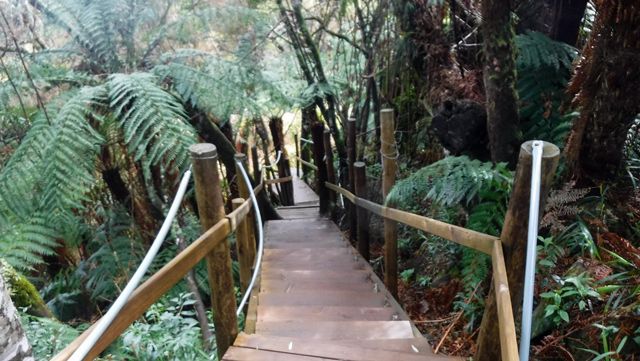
[532, 240]
[258, 260]
[104, 322]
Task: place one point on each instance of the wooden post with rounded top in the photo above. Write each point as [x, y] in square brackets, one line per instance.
[317, 130]
[351, 158]
[331, 172]
[389, 155]
[206, 175]
[359, 172]
[514, 243]
[243, 189]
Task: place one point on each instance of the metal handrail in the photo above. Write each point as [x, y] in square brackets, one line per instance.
[258, 218]
[102, 325]
[532, 240]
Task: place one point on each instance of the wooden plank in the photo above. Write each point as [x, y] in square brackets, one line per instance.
[323, 298]
[302, 192]
[252, 354]
[400, 345]
[326, 313]
[306, 275]
[299, 213]
[506, 325]
[334, 350]
[152, 289]
[340, 330]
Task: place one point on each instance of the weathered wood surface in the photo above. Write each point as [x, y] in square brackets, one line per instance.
[319, 299]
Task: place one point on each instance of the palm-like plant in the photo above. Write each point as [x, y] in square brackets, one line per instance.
[118, 94]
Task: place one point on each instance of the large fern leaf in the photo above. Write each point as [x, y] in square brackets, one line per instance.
[152, 120]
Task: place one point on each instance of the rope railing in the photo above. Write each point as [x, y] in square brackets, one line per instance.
[479, 241]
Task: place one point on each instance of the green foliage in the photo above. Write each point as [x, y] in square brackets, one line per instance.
[544, 69]
[168, 331]
[483, 189]
[574, 290]
[153, 121]
[47, 336]
[453, 180]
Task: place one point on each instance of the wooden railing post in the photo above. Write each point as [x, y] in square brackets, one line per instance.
[243, 248]
[389, 153]
[243, 190]
[255, 163]
[514, 242]
[318, 158]
[331, 173]
[206, 175]
[295, 140]
[360, 175]
[351, 158]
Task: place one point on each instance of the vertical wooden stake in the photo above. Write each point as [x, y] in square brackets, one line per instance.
[331, 173]
[514, 243]
[204, 157]
[295, 140]
[243, 189]
[351, 158]
[242, 247]
[317, 130]
[255, 164]
[360, 175]
[389, 155]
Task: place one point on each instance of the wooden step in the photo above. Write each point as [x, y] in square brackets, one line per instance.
[252, 354]
[308, 253]
[323, 298]
[315, 275]
[271, 285]
[336, 330]
[339, 263]
[300, 213]
[412, 345]
[326, 313]
[360, 350]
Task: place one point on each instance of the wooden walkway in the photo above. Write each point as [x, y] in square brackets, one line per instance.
[318, 299]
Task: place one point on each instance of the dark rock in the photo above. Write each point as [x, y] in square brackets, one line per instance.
[461, 127]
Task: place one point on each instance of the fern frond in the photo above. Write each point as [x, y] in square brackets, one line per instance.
[450, 181]
[536, 50]
[153, 121]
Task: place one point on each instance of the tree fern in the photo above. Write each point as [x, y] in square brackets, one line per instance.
[153, 121]
[544, 68]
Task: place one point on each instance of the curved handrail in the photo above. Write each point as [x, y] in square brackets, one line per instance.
[117, 306]
[258, 218]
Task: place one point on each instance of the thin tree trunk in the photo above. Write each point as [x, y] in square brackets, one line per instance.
[606, 83]
[499, 80]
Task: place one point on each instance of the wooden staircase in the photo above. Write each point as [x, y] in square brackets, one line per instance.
[318, 299]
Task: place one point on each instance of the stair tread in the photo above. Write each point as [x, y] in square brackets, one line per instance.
[360, 350]
[337, 330]
[323, 298]
[327, 313]
[291, 286]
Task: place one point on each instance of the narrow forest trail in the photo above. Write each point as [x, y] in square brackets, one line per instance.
[318, 299]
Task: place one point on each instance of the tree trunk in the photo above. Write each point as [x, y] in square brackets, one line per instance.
[606, 85]
[558, 19]
[14, 345]
[499, 80]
